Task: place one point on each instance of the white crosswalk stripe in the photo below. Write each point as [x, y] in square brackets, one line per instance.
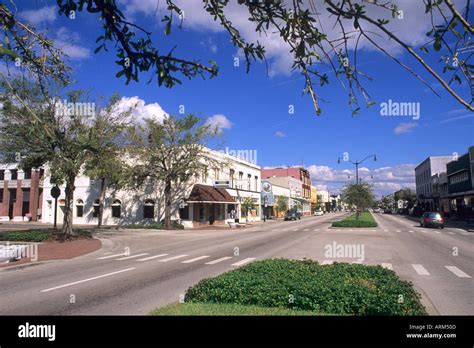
[213, 262]
[412, 231]
[131, 257]
[172, 258]
[110, 256]
[451, 232]
[423, 231]
[316, 229]
[243, 262]
[458, 272]
[400, 231]
[385, 230]
[438, 232]
[387, 266]
[306, 229]
[420, 269]
[196, 259]
[152, 257]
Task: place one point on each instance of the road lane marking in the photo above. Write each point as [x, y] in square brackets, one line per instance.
[316, 229]
[213, 262]
[243, 262]
[458, 272]
[172, 258]
[451, 232]
[410, 231]
[420, 269]
[401, 231]
[423, 231]
[387, 266]
[132, 257]
[110, 256]
[196, 259]
[438, 232]
[152, 257]
[385, 230]
[306, 229]
[327, 262]
[87, 280]
[295, 229]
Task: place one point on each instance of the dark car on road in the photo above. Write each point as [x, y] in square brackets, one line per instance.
[432, 219]
[292, 215]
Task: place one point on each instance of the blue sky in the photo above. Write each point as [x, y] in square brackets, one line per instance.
[255, 106]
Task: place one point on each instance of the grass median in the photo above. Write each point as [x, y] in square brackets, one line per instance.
[291, 287]
[365, 220]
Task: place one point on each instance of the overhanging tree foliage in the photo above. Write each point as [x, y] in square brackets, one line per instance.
[298, 22]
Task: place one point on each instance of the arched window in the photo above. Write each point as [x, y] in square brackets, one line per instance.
[116, 208]
[149, 209]
[96, 208]
[79, 208]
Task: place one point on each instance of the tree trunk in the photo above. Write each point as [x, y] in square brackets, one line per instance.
[101, 201]
[167, 204]
[66, 230]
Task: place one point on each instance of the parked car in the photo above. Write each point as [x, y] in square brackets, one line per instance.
[376, 210]
[432, 219]
[292, 215]
[318, 213]
[387, 211]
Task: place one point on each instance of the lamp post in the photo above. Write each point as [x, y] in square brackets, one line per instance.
[356, 163]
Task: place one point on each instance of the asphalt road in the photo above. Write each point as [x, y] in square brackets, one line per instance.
[137, 271]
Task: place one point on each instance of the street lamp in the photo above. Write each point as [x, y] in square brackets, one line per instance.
[356, 163]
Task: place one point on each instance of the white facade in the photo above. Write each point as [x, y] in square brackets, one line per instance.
[131, 207]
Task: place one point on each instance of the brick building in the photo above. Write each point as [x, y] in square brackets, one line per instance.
[21, 193]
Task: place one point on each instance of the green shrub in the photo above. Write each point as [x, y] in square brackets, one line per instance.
[342, 289]
[153, 226]
[26, 236]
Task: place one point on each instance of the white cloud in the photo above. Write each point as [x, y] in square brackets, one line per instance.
[42, 15]
[218, 121]
[65, 41]
[385, 179]
[404, 128]
[140, 111]
[280, 134]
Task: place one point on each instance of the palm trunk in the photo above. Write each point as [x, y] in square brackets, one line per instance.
[66, 230]
[101, 201]
[168, 204]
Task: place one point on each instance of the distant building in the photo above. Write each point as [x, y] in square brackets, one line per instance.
[423, 178]
[460, 184]
[314, 198]
[300, 187]
[20, 193]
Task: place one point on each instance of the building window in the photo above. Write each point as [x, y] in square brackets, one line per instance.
[201, 213]
[256, 183]
[249, 180]
[2, 175]
[14, 173]
[116, 208]
[96, 208]
[232, 173]
[79, 208]
[149, 209]
[216, 173]
[241, 175]
[184, 213]
[27, 174]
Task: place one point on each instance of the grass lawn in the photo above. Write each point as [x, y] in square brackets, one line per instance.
[365, 220]
[224, 309]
